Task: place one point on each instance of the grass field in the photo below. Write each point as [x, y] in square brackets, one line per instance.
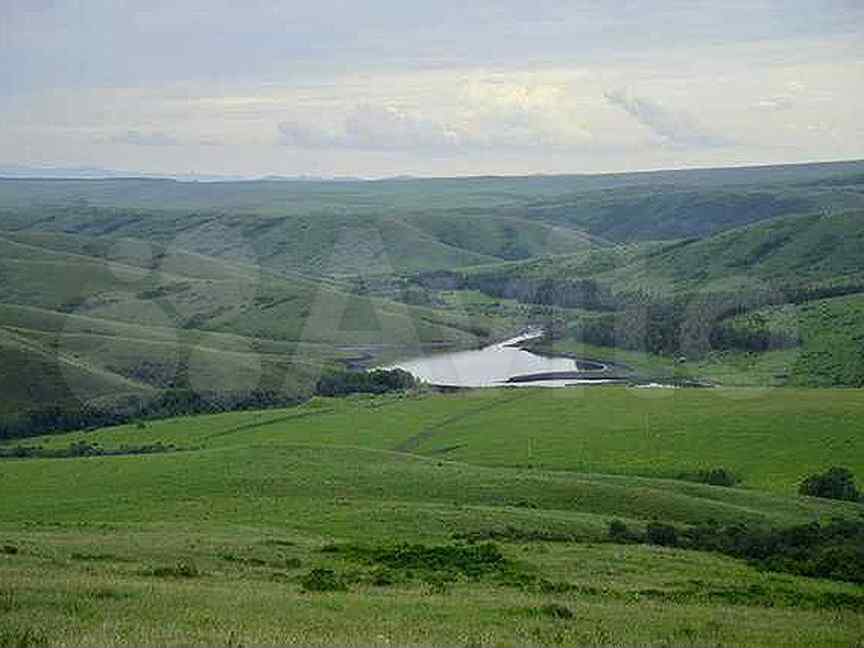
[217, 542]
[475, 518]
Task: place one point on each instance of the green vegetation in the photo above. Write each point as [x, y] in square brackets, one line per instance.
[834, 550]
[831, 333]
[292, 498]
[377, 381]
[309, 512]
[714, 476]
[783, 293]
[79, 449]
[771, 439]
[93, 333]
[835, 483]
[118, 290]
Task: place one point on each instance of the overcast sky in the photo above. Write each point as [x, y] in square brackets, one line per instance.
[429, 88]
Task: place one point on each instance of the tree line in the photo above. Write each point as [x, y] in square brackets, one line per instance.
[65, 417]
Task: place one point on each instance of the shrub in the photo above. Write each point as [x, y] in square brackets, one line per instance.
[378, 381]
[323, 580]
[514, 534]
[835, 483]
[382, 577]
[718, 477]
[471, 560]
[661, 534]
[714, 477]
[619, 532]
[834, 550]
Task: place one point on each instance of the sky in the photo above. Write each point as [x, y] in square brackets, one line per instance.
[393, 87]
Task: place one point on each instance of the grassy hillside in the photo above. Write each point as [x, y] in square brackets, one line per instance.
[831, 334]
[320, 243]
[87, 318]
[255, 513]
[664, 301]
[344, 228]
[31, 374]
[770, 438]
[160, 284]
[784, 253]
[776, 255]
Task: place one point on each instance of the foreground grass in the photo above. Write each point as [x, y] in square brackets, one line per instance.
[219, 542]
[89, 587]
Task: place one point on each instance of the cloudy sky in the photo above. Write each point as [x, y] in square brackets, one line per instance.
[388, 87]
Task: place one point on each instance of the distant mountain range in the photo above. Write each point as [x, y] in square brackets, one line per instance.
[93, 173]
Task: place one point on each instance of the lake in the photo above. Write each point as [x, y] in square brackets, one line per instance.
[505, 363]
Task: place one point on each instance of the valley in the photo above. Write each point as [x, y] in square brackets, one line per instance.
[198, 445]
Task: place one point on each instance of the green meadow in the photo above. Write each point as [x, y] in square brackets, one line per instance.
[492, 517]
[273, 527]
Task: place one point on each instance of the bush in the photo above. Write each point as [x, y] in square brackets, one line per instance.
[323, 580]
[618, 532]
[661, 534]
[378, 381]
[717, 477]
[514, 534]
[81, 449]
[834, 550]
[835, 483]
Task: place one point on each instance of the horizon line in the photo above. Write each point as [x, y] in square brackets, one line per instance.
[120, 175]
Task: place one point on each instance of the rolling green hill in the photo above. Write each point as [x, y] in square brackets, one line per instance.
[489, 517]
[786, 253]
[260, 285]
[305, 512]
[342, 228]
[673, 300]
[831, 335]
[776, 254]
[91, 319]
[313, 244]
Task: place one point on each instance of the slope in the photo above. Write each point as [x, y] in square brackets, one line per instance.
[87, 316]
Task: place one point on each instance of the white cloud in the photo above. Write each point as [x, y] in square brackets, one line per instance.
[674, 127]
[157, 138]
[141, 138]
[485, 114]
[372, 127]
[386, 87]
[508, 113]
[774, 103]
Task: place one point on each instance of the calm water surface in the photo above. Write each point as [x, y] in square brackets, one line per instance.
[491, 366]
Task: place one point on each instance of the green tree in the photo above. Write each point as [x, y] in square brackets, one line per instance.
[835, 483]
